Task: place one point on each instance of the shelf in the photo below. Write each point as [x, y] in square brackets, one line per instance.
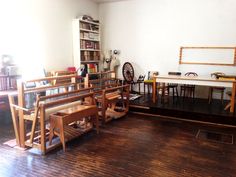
[96, 32]
[89, 22]
[94, 50]
[87, 39]
[90, 61]
[87, 50]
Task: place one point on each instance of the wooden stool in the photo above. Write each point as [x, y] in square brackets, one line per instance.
[219, 89]
[59, 122]
[188, 89]
[147, 83]
[174, 88]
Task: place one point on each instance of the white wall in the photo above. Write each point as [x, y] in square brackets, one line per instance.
[150, 32]
[40, 31]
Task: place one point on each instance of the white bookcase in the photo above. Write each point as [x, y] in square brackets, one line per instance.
[86, 44]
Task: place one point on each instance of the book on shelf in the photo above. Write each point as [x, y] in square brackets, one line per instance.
[91, 27]
[92, 68]
[86, 35]
[85, 26]
[89, 36]
[89, 45]
[94, 28]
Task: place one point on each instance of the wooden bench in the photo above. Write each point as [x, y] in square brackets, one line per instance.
[59, 122]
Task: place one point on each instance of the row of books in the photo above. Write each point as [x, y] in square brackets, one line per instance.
[92, 68]
[89, 55]
[87, 35]
[91, 27]
[89, 45]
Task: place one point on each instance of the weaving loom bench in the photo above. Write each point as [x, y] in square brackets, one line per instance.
[59, 122]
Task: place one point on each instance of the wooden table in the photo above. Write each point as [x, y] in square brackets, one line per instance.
[199, 80]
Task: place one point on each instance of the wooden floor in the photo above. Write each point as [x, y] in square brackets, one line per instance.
[132, 146]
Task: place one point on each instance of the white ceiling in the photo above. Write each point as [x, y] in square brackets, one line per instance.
[104, 1]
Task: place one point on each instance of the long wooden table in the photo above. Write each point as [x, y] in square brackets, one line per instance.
[199, 80]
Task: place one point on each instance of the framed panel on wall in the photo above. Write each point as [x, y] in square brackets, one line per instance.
[208, 55]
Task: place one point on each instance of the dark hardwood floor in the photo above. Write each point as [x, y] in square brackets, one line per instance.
[131, 146]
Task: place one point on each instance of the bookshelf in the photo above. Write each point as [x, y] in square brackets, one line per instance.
[86, 44]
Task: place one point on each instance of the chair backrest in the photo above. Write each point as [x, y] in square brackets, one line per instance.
[62, 73]
[141, 78]
[151, 73]
[191, 74]
[217, 74]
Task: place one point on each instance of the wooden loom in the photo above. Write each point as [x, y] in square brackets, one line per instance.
[111, 97]
[44, 106]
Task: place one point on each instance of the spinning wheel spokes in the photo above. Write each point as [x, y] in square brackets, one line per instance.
[128, 72]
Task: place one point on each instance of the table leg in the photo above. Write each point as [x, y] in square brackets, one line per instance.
[154, 99]
[139, 87]
[163, 89]
[233, 97]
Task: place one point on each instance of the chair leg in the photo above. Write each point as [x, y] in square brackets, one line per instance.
[227, 106]
[144, 85]
[177, 94]
[210, 95]
[194, 93]
[173, 93]
[222, 96]
[139, 87]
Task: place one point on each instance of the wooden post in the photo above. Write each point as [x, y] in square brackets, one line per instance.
[42, 129]
[104, 106]
[15, 120]
[127, 99]
[233, 97]
[235, 56]
[86, 81]
[21, 103]
[154, 90]
[180, 54]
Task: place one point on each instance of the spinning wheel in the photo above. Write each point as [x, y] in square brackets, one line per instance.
[128, 72]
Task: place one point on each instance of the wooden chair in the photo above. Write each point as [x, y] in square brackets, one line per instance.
[140, 81]
[229, 93]
[149, 81]
[173, 86]
[187, 89]
[216, 89]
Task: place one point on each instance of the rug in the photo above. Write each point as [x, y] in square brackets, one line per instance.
[215, 136]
